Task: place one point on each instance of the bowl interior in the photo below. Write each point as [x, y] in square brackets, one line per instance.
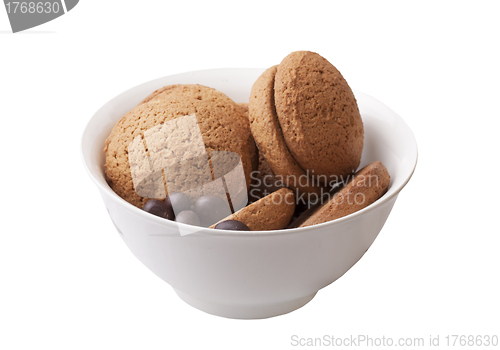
[387, 137]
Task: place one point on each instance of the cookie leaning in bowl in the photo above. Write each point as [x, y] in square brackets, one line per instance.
[366, 187]
[318, 115]
[272, 212]
[192, 120]
[267, 133]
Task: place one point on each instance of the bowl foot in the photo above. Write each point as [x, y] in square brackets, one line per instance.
[247, 311]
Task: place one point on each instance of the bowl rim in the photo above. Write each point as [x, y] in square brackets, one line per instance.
[217, 232]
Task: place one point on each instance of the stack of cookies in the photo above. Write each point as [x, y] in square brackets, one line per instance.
[287, 158]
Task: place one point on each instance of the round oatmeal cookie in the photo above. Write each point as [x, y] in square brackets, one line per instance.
[318, 114]
[267, 133]
[242, 116]
[179, 139]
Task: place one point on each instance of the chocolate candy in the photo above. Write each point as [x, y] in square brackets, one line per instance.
[188, 217]
[159, 208]
[234, 225]
[178, 201]
[211, 209]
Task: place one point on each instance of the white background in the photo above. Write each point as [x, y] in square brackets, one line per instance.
[67, 280]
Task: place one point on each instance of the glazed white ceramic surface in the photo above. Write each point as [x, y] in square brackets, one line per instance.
[254, 274]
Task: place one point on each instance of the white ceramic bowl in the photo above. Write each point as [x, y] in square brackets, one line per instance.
[251, 274]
